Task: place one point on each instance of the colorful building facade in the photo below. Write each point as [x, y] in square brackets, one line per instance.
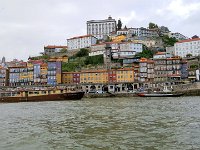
[54, 72]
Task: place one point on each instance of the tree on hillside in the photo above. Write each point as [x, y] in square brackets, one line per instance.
[152, 25]
[83, 52]
[94, 60]
[119, 25]
[64, 50]
[108, 39]
[189, 55]
[168, 41]
[146, 53]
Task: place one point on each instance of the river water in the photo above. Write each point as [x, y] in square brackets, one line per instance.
[102, 123]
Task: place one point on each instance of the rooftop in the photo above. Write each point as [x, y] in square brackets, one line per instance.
[189, 40]
[77, 37]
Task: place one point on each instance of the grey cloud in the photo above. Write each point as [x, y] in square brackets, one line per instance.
[28, 25]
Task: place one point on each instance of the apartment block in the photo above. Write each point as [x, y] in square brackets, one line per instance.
[54, 73]
[146, 70]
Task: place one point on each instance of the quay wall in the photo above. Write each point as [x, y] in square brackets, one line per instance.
[104, 95]
[189, 86]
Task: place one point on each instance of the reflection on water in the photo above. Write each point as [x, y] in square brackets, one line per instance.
[112, 123]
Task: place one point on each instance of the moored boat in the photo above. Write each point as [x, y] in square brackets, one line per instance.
[160, 94]
[33, 95]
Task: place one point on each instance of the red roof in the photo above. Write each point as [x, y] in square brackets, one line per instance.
[189, 40]
[160, 53]
[77, 37]
[54, 46]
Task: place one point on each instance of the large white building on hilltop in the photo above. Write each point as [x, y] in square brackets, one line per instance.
[101, 28]
[81, 42]
[190, 46]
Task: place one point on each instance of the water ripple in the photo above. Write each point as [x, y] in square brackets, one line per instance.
[112, 123]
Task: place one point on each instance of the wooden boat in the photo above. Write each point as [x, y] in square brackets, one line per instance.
[32, 95]
[160, 94]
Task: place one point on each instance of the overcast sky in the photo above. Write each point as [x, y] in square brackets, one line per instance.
[26, 26]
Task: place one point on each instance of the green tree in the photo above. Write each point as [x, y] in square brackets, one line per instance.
[168, 41]
[119, 25]
[189, 55]
[94, 60]
[152, 25]
[68, 67]
[83, 52]
[146, 53]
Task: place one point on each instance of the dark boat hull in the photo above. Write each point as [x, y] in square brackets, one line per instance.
[159, 94]
[50, 97]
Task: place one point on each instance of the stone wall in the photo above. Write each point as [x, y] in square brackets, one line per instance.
[189, 86]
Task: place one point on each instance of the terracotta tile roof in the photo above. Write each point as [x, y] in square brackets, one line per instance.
[35, 61]
[44, 65]
[160, 53]
[77, 37]
[55, 46]
[143, 60]
[146, 60]
[189, 40]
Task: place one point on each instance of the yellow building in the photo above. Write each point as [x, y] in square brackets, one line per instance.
[67, 77]
[43, 73]
[23, 76]
[94, 76]
[125, 75]
[118, 38]
[98, 76]
[30, 72]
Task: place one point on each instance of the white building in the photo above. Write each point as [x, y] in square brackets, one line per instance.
[127, 50]
[178, 36]
[97, 49]
[122, 32]
[162, 55]
[190, 46]
[130, 46]
[142, 32]
[119, 50]
[81, 42]
[101, 28]
[52, 49]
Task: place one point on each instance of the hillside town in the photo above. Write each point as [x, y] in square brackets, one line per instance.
[111, 57]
